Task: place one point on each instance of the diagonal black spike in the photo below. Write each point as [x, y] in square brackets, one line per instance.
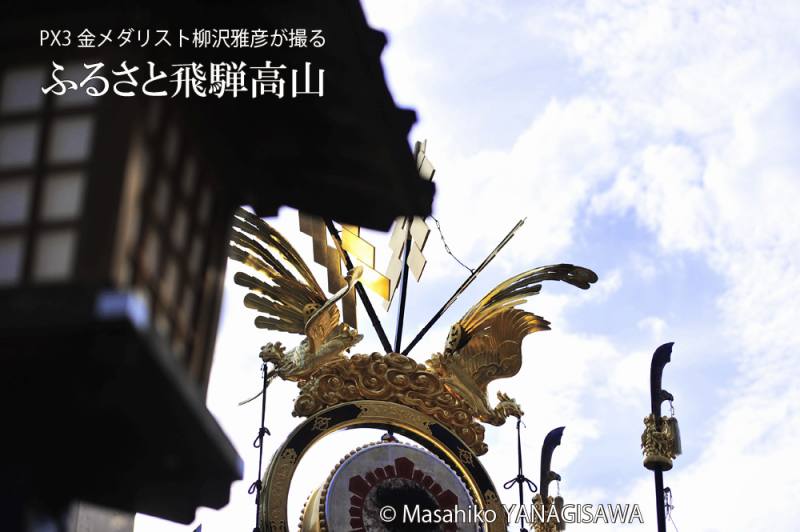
[362, 294]
[401, 309]
[463, 287]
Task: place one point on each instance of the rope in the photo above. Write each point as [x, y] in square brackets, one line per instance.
[446, 247]
[668, 492]
[258, 443]
[669, 507]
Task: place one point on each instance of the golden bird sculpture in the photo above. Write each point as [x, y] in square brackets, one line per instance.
[289, 298]
[451, 386]
[486, 344]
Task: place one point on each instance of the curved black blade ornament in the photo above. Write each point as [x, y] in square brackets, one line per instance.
[660, 439]
[547, 475]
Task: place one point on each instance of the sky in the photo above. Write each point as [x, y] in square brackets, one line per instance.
[657, 143]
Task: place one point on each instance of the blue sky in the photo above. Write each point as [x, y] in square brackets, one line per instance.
[655, 142]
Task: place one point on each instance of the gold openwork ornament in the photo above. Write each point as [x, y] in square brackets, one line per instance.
[393, 378]
[283, 466]
[662, 446]
[492, 502]
[419, 427]
[549, 518]
[441, 403]
[451, 387]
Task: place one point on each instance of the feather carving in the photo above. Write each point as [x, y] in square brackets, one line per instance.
[486, 343]
[287, 296]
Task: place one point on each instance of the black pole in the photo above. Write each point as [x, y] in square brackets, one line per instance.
[519, 466]
[256, 486]
[520, 479]
[661, 517]
[401, 310]
[362, 294]
[661, 358]
[463, 287]
[425, 329]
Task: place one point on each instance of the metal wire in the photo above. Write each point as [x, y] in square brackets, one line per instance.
[669, 507]
[446, 247]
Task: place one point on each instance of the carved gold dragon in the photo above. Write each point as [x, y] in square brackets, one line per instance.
[484, 345]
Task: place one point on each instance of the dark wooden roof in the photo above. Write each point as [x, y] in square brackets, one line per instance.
[98, 410]
[100, 413]
[345, 155]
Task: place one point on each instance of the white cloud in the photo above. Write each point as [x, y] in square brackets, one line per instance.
[546, 176]
[692, 125]
[653, 325]
[715, 171]
[607, 285]
[643, 265]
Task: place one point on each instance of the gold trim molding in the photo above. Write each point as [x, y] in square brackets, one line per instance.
[392, 378]
[368, 413]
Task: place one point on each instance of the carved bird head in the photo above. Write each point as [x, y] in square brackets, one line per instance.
[455, 338]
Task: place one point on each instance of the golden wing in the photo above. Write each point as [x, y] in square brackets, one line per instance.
[489, 336]
[289, 299]
[513, 292]
[494, 350]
